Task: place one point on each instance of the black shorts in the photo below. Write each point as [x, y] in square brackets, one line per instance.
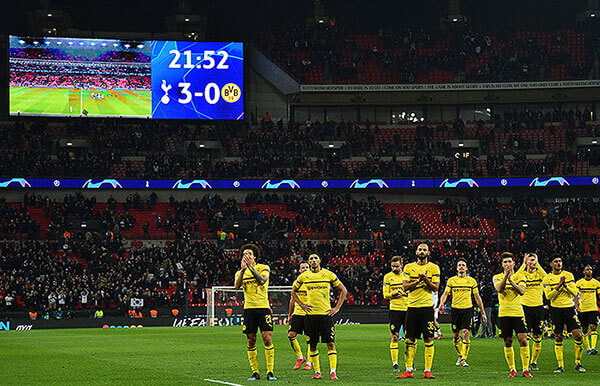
[419, 321]
[535, 316]
[587, 318]
[510, 324]
[562, 317]
[297, 324]
[397, 320]
[255, 318]
[319, 326]
[462, 319]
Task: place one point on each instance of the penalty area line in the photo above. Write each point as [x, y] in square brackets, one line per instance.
[221, 382]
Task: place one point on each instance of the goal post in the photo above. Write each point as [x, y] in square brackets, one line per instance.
[227, 303]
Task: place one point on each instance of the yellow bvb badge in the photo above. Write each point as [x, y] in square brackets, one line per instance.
[231, 92]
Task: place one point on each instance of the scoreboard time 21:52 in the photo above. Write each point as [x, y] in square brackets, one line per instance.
[197, 80]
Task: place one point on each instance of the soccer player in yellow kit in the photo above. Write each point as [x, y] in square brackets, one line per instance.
[296, 320]
[533, 303]
[587, 307]
[462, 288]
[394, 292]
[318, 322]
[559, 288]
[510, 287]
[254, 279]
[420, 280]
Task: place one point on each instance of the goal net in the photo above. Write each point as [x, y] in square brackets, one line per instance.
[225, 305]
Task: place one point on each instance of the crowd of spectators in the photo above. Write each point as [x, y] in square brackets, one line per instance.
[330, 53]
[104, 271]
[301, 150]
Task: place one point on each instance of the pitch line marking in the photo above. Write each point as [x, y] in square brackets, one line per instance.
[221, 382]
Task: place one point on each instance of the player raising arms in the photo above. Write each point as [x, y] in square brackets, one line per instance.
[559, 287]
[318, 322]
[533, 303]
[420, 280]
[462, 288]
[394, 292]
[296, 318]
[254, 279]
[510, 287]
[587, 307]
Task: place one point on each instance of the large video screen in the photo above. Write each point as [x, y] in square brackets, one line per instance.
[118, 78]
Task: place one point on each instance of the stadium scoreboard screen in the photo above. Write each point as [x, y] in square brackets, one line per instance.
[118, 78]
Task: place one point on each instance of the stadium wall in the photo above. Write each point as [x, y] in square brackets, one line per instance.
[262, 97]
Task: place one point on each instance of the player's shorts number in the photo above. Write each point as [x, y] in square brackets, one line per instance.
[430, 326]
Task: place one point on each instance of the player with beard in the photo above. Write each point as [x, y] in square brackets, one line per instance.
[421, 279]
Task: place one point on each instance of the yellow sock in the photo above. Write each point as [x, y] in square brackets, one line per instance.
[410, 348]
[308, 349]
[558, 351]
[458, 346]
[578, 350]
[332, 354]
[429, 351]
[509, 354]
[466, 349]
[536, 349]
[314, 358]
[253, 359]
[525, 357]
[394, 352]
[296, 347]
[270, 357]
[586, 341]
[594, 335]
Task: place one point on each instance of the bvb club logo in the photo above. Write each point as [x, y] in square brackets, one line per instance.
[231, 92]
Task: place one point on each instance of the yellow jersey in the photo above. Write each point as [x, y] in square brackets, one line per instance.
[318, 286]
[255, 295]
[534, 291]
[562, 298]
[392, 282]
[421, 295]
[302, 295]
[588, 293]
[462, 289]
[509, 300]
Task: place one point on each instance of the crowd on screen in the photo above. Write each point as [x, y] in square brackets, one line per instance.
[83, 81]
[85, 55]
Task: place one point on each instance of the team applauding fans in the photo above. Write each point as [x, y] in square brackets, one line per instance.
[410, 289]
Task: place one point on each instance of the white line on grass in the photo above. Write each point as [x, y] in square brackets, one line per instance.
[221, 382]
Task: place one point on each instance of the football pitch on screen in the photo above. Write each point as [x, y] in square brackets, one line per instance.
[75, 102]
[194, 355]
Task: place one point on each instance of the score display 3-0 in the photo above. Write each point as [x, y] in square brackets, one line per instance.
[197, 80]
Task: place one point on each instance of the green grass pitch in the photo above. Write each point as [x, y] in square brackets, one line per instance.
[60, 102]
[167, 356]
